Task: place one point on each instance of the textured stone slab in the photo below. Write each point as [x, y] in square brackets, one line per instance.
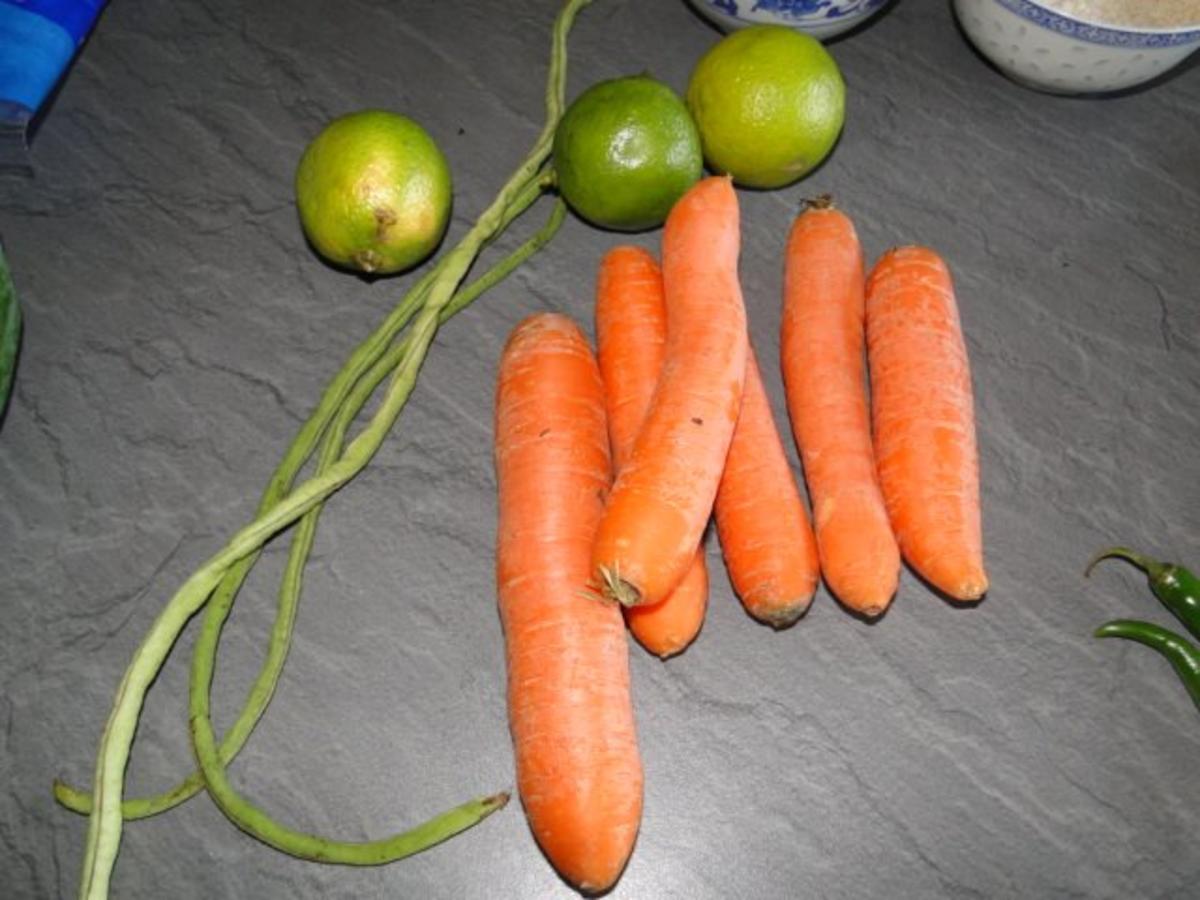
[178, 330]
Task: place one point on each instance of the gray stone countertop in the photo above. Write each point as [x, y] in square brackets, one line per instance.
[178, 330]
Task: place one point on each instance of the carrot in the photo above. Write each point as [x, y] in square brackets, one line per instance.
[668, 627]
[663, 495]
[765, 534]
[579, 774]
[924, 419]
[822, 346]
[631, 334]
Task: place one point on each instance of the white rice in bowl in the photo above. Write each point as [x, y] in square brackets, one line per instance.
[1131, 13]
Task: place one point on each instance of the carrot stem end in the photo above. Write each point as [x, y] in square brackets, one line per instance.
[617, 588]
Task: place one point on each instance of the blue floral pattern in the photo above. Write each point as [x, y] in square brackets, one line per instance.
[815, 9]
[803, 10]
[1094, 34]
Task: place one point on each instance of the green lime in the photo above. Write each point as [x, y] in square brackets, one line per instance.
[769, 102]
[373, 191]
[625, 151]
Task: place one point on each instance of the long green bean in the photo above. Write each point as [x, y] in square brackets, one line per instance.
[105, 822]
[258, 823]
[244, 814]
[259, 696]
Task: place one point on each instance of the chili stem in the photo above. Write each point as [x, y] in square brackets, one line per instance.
[1152, 568]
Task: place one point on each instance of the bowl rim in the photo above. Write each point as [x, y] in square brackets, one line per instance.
[868, 7]
[1177, 35]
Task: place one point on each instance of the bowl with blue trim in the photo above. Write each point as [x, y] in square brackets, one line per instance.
[1044, 46]
[822, 19]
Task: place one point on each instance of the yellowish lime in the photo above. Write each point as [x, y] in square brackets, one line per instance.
[625, 151]
[769, 102]
[374, 192]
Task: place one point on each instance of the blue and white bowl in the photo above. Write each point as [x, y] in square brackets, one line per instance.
[820, 18]
[1062, 54]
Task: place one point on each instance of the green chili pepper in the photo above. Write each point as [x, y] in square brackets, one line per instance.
[1175, 586]
[1179, 652]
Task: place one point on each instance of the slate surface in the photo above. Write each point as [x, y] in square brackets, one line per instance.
[178, 330]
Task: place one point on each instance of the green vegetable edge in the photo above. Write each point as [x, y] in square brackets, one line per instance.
[1175, 586]
[1176, 649]
[10, 331]
[105, 820]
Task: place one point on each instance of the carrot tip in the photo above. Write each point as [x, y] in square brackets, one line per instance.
[782, 618]
[823, 201]
[617, 588]
[971, 591]
[673, 650]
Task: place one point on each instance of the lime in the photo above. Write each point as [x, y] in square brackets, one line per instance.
[769, 102]
[373, 191]
[625, 151]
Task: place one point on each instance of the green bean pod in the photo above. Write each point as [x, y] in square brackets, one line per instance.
[333, 419]
[438, 301]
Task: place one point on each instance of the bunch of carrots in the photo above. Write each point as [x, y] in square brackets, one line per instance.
[610, 465]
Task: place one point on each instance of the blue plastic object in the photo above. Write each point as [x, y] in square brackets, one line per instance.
[38, 40]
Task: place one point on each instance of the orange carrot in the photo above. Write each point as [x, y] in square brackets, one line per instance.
[631, 334]
[663, 495]
[823, 374]
[579, 774]
[924, 419]
[668, 627]
[765, 534]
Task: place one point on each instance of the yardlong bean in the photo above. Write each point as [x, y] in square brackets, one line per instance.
[106, 819]
[384, 360]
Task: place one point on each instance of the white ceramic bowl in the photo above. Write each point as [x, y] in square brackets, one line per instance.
[821, 18]
[1051, 51]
